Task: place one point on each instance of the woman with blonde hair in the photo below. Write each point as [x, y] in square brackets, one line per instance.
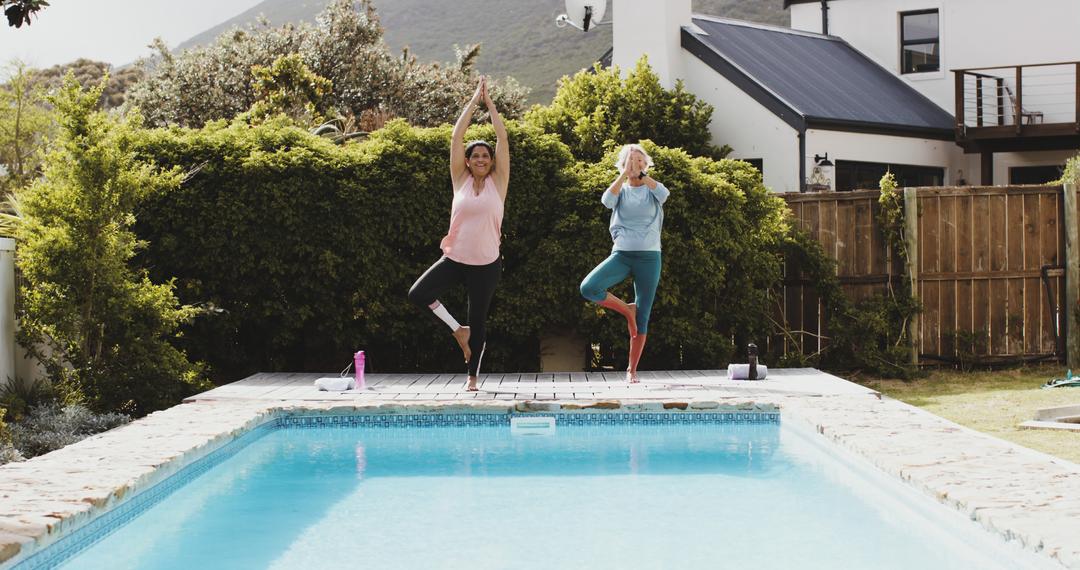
[480, 174]
[636, 202]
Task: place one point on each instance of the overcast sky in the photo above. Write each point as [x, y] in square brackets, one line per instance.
[115, 31]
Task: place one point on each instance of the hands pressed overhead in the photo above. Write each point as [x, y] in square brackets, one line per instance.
[480, 173]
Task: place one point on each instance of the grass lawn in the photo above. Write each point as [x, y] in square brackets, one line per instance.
[992, 402]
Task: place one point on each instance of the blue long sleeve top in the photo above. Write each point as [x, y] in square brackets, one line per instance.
[637, 216]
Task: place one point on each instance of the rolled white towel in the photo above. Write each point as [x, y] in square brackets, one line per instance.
[742, 371]
[333, 384]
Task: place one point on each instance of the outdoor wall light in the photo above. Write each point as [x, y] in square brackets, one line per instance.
[582, 14]
[821, 179]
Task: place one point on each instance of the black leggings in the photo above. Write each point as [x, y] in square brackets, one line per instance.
[480, 282]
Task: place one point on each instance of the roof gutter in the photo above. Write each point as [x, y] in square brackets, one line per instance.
[866, 127]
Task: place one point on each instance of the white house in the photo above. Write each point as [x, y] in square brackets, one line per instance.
[879, 90]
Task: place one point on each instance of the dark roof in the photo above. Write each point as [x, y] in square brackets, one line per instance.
[605, 60]
[814, 81]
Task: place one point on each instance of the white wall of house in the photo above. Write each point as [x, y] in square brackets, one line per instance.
[974, 33]
[652, 27]
[751, 130]
[1003, 161]
[885, 149]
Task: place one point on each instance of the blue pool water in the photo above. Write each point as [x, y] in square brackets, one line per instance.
[588, 496]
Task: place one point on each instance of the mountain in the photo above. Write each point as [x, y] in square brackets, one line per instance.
[519, 37]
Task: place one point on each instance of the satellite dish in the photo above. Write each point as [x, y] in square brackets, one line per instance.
[582, 14]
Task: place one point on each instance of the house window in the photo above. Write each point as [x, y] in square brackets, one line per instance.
[856, 175]
[1035, 174]
[758, 163]
[920, 42]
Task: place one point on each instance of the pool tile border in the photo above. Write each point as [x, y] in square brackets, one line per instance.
[436, 419]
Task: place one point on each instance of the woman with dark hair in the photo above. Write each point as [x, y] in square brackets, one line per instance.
[480, 174]
[636, 202]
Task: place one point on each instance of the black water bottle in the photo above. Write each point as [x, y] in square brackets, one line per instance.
[751, 351]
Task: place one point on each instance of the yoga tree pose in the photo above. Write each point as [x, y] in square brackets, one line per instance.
[636, 201]
[480, 174]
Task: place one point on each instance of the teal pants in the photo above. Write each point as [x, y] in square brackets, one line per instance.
[643, 266]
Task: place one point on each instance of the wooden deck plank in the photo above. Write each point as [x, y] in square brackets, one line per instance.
[507, 378]
[285, 383]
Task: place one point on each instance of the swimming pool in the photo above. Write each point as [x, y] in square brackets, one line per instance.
[656, 490]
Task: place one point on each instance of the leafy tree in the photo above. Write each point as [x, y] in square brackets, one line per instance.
[596, 109]
[107, 325]
[25, 123]
[19, 12]
[345, 46]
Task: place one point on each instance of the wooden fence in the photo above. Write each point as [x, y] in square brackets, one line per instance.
[989, 268]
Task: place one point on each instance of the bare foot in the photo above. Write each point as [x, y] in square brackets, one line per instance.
[462, 337]
[631, 320]
[472, 385]
[632, 377]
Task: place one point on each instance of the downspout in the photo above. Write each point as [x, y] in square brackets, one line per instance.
[802, 159]
[825, 17]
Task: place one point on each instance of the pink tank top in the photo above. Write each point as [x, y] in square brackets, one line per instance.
[475, 224]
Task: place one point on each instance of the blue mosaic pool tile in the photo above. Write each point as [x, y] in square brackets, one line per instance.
[501, 419]
[104, 525]
[395, 420]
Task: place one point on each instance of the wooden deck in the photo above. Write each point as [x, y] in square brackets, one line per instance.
[659, 384]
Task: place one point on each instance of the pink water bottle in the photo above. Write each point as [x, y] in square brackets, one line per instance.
[358, 368]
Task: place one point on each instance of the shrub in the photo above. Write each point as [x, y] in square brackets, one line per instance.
[302, 251]
[8, 453]
[19, 395]
[52, 426]
[721, 253]
[288, 87]
[345, 46]
[595, 110]
[107, 324]
[1071, 175]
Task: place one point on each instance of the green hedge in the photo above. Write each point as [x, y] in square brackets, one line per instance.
[300, 251]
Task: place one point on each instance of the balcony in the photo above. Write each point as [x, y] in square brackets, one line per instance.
[1018, 108]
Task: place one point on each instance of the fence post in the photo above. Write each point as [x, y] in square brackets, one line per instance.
[1072, 279]
[911, 239]
[7, 310]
